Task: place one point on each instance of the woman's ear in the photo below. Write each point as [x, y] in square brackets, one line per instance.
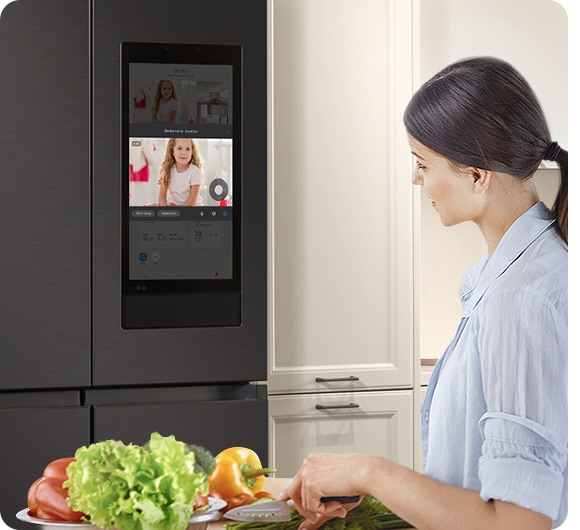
[481, 179]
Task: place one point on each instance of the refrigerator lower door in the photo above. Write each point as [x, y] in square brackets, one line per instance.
[237, 417]
[31, 438]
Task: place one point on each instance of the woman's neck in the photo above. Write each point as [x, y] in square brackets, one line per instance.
[508, 200]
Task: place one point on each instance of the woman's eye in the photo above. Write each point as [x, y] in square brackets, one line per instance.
[420, 166]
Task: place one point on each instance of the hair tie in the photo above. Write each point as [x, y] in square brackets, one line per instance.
[553, 152]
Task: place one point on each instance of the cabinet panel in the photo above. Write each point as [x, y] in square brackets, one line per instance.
[379, 423]
[341, 195]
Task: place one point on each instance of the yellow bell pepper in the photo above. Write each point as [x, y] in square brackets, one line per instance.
[238, 471]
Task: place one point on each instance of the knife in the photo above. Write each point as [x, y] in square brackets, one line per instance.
[274, 511]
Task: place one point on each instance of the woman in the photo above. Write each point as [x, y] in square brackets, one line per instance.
[494, 420]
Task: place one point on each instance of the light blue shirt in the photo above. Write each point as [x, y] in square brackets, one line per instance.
[495, 417]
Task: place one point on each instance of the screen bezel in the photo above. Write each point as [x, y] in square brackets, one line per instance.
[190, 54]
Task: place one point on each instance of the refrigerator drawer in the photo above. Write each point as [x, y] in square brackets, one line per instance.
[214, 425]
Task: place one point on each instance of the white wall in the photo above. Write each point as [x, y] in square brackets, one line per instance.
[530, 34]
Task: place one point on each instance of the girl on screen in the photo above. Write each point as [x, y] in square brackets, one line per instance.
[181, 174]
[164, 103]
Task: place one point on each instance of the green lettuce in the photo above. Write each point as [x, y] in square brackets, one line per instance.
[135, 488]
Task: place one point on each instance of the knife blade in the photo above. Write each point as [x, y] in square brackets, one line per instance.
[274, 511]
[270, 511]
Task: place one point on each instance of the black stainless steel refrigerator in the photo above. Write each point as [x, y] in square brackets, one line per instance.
[122, 315]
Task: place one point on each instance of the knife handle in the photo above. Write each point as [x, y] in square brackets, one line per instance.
[343, 500]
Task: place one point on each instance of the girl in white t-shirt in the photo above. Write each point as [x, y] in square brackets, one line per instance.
[181, 174]
[164, 103]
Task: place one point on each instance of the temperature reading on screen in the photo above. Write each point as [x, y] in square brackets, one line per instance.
[207, 235]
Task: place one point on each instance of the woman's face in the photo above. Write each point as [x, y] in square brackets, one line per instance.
[451, 192]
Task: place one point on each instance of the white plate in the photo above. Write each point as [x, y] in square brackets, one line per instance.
[215, 504]
[23, 516]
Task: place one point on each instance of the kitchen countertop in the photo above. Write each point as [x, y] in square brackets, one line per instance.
[427, 366]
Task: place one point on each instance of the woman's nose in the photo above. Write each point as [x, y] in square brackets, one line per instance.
[417, 179]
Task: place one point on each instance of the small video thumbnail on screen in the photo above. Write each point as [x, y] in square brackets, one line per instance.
[180, 94]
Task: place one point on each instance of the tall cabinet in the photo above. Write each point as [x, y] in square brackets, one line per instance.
[342, 368]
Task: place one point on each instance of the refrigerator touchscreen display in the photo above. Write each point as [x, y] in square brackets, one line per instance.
[181, 122]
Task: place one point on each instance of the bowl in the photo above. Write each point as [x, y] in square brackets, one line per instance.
[198, 521]
[202, 520]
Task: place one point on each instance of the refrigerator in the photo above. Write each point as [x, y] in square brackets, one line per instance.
[92, 347]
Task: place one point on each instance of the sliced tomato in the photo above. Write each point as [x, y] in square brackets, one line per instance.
[239, 500]
[57, 468]
[200, 501]
[264, 495]
[215, 493]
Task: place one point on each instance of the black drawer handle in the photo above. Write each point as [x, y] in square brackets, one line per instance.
[336, 380]
[330, 407]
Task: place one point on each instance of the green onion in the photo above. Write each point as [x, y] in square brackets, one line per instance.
[370, 514]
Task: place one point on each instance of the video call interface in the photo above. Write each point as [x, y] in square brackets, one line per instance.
[180, 172]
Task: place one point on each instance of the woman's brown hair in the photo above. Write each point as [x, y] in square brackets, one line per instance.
[481, 112]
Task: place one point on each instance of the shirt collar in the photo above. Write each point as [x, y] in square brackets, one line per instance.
[519, 236]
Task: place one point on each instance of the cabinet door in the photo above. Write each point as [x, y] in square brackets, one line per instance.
[341, 195]
[378, 423]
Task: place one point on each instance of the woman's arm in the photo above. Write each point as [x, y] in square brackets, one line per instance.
[423, 502]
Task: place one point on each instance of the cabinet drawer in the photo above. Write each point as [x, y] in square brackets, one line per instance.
[379, 423]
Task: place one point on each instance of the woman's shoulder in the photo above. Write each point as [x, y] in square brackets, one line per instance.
[539, 273]
[546, 256]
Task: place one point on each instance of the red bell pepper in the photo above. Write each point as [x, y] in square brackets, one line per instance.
[47, 499]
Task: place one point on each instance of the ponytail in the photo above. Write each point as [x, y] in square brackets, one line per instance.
[560, 207]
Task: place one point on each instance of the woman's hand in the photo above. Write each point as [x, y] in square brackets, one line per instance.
[314, 525]
[325, 475]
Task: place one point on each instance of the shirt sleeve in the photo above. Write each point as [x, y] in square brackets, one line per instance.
[523, 348]
[195, 176]
[522, 463]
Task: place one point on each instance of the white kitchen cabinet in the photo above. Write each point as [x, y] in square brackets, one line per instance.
[341, 232]
[375, 422]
